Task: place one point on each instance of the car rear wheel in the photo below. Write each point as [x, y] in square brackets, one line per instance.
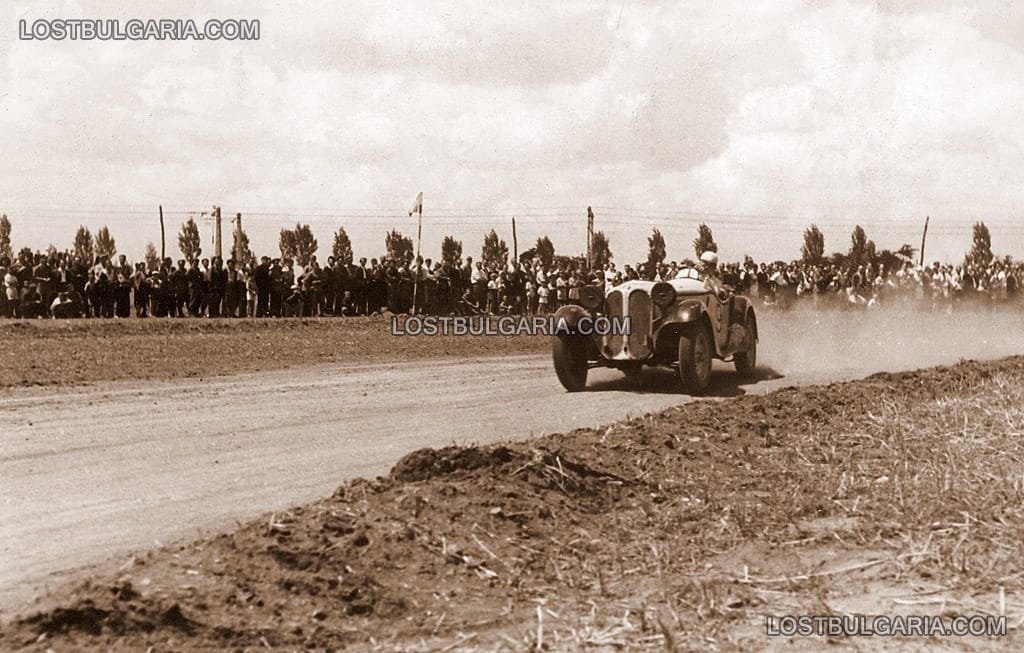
[695, 354]
[746, 360]
[570, 357]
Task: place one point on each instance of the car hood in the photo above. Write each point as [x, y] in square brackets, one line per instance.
[684, 286]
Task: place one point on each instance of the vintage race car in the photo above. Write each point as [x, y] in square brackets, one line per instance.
[683, 323]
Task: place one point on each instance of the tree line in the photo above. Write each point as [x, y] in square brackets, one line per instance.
[299, 244]
[863, 252]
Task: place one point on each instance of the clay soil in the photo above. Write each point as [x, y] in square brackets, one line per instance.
[681, 530]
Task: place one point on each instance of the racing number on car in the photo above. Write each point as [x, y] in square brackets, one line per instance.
[716, 310]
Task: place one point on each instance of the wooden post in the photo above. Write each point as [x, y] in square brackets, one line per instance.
[238, 240]
[515, 243]
[419, 233]
[923, 236]
[590, 239]
[216, 233]
[416, 263]
[163, 240]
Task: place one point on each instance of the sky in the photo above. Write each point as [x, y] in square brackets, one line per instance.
[756, 118]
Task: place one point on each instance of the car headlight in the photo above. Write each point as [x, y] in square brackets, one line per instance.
[591, 297]
[663, 294]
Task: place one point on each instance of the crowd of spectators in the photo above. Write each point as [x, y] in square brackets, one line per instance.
[932, 287]
[62, 285]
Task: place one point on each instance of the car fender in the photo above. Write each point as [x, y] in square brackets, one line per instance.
[568, 317]
[753, 320]
[741, 310]
[687, 311]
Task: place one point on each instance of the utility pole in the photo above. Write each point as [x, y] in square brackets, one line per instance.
[216, 232]
[923, 236]
[238, 240]
[515, 243]
[590, 239]
[163, 240]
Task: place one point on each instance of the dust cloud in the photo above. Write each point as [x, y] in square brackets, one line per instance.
[834, 344]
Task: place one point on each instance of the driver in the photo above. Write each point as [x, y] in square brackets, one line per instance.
[709, 273]
[709, 264]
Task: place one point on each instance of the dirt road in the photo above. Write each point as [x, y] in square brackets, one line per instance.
[91, 474]
[121, 467]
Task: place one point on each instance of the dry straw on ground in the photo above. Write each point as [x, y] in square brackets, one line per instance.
[901, 493]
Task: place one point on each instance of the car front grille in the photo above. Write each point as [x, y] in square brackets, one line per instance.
[613, 342]
[639, 323]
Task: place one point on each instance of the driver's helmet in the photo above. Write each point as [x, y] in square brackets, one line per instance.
[709, 259]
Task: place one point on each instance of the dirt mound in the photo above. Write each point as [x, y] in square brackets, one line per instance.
[429, 463]
[119, 617]
[653, 533]
[538, 468]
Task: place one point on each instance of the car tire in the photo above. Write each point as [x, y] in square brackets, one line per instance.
[570, 357]
[746, 360]
[695, 354]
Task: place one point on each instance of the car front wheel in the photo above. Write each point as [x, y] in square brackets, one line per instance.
[570, 358]
[695, 356]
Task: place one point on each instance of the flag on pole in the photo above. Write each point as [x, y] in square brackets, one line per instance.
[418, 209]
[209, 218]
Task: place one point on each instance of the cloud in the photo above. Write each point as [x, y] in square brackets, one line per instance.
[461, 43]
[839, 112]
[890, 118]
